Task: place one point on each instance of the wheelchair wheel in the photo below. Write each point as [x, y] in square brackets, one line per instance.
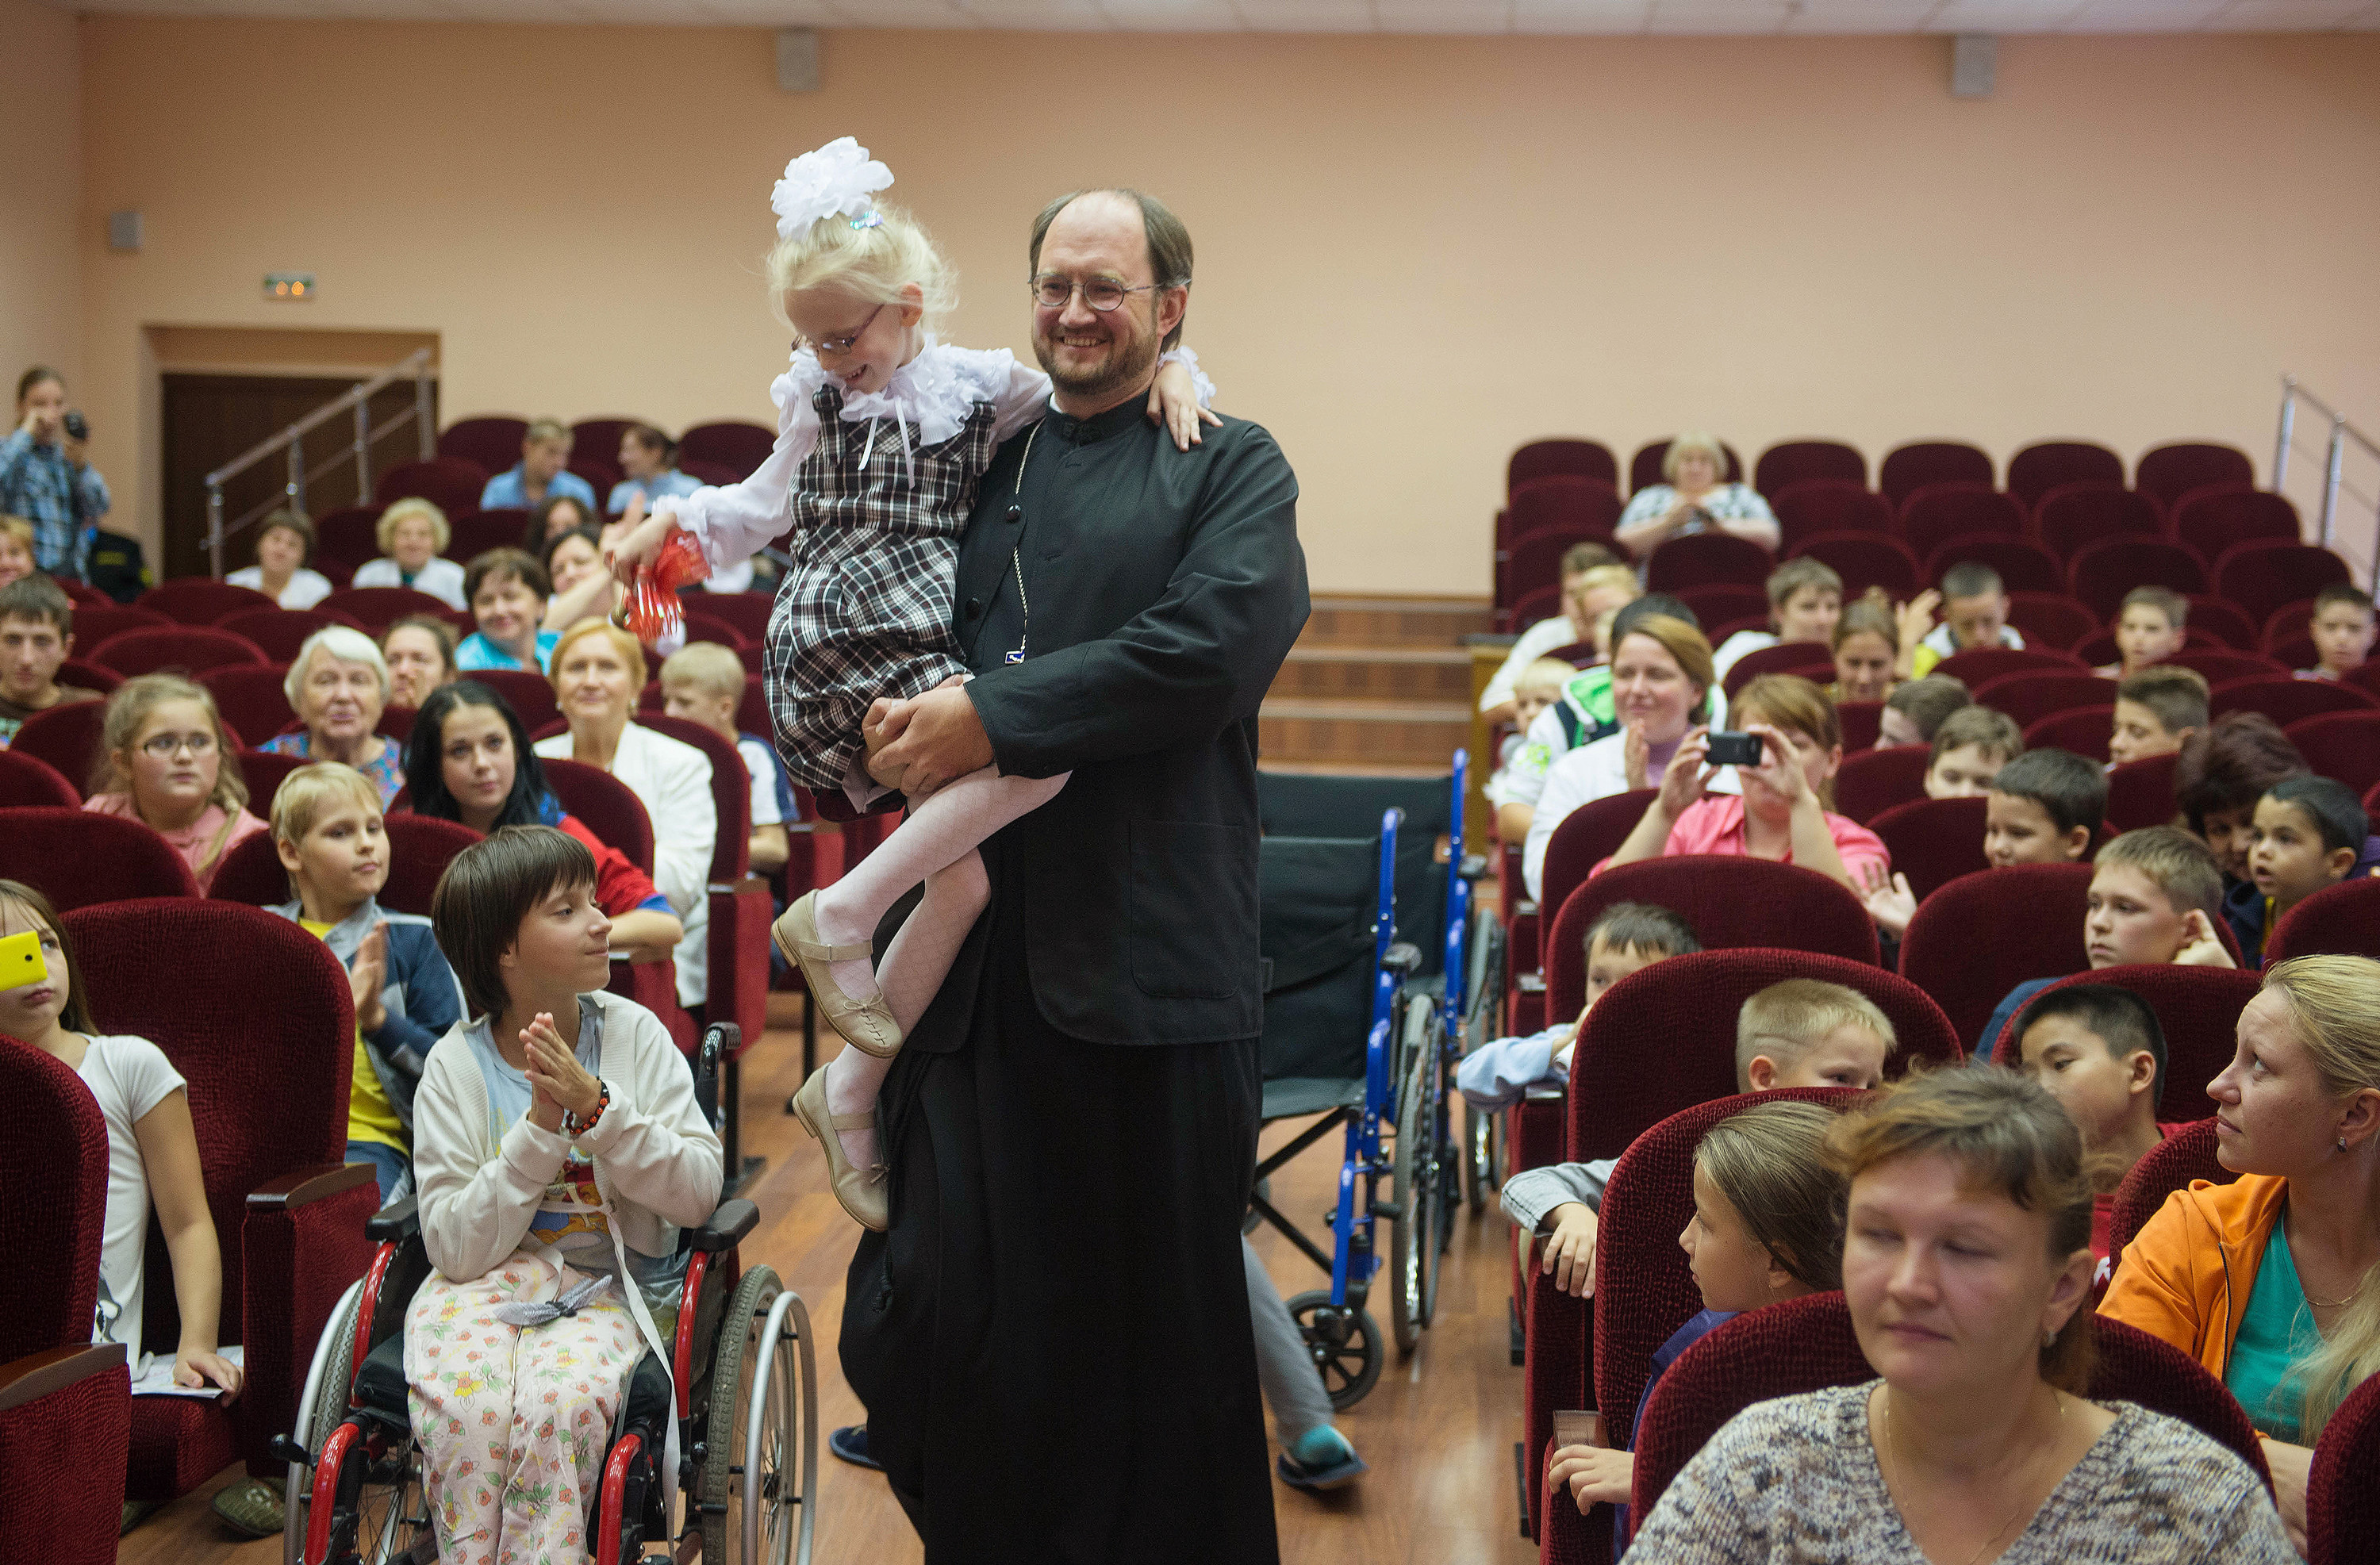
[1479, 1158]
[759, 1476]
[390, 1513]
[1344, 1342]
[1420, 1196]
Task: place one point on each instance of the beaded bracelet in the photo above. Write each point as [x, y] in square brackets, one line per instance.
[574, 1126]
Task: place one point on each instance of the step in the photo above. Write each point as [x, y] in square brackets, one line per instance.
[1395, 622]
[1426, 675]
[1365, 734]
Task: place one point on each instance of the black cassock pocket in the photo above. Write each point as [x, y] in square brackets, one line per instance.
[1191, 938]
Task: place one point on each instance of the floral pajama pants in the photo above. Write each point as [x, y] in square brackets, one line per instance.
[513, 1420]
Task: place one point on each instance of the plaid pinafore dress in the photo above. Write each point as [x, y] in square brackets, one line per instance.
[866, 612]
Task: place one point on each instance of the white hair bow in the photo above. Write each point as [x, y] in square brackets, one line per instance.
[838, 179]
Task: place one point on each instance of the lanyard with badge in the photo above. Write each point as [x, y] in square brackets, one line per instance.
[1017, 552]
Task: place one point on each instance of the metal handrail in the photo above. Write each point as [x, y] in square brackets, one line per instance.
[2334, 475]
[356, 398]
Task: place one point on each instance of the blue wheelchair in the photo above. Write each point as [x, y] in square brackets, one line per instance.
[1379, 969]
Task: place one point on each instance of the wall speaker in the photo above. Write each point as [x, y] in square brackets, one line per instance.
[798, 59]
[1974, 60]
[124, 232]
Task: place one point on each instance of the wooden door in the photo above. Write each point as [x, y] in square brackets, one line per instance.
[210, 419]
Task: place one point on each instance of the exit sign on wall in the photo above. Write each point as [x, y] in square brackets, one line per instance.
[289, 286]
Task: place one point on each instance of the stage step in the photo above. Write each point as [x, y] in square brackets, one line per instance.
[1429, 674]
[1348, 731]
[1437, 624]
[1378, 684]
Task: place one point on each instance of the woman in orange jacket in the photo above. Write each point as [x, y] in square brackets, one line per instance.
[2269, 1281]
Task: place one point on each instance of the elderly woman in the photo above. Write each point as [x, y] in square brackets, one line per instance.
[413, 536]
[2268, 1281]
[166, 761]
[598, 673]
[648, 458]
[1967, 1269]
[284, 543]
[1692, 499]
[338, 685]
[420, 650]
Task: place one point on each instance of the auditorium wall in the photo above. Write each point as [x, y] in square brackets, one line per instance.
[1413, 253]
[40, 181]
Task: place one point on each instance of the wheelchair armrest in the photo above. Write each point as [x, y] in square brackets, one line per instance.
[1403, 959]
[1475, 866]
[1524, 908]
[307, 1186]
[727, 1227]
[398, 1221]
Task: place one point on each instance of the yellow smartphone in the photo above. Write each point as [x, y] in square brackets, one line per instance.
[20, 959]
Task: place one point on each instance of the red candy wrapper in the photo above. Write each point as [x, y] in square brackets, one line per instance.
[652, 611]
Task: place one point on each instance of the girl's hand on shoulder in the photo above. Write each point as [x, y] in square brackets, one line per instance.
[195, 1366]
[1174, 402]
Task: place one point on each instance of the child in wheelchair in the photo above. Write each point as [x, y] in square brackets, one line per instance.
[558, 1149]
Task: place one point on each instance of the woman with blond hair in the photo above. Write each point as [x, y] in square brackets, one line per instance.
[166, 761]
[1691, 498]
[338, 687]
[413, 537]
[2268, 1281]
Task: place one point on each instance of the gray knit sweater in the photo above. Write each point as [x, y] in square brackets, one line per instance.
[1796, 1480]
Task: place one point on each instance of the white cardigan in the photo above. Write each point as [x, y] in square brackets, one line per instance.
[672, 780]
[656, 1159]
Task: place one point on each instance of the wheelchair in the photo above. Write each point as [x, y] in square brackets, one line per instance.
[1364, 1030]
[746, 1405]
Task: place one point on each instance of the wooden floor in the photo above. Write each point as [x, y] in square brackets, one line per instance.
[1439, 1429]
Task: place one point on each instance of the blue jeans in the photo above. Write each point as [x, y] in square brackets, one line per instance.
[388, 1166]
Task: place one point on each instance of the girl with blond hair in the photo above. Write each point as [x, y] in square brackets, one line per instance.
[167, 762]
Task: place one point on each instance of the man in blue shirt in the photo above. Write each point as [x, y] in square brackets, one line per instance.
[542, 470]
[44, 479]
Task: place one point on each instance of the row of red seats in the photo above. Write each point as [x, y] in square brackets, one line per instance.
[204, 602]
[494, 442]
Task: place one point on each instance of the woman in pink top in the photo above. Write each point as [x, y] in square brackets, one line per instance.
[1782, 812]
[167, 762]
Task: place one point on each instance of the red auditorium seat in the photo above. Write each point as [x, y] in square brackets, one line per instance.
[492, 440]
[1645, 467]
[2260, 575]
[2220, 665]
[596, 443]
[2287, 701]
[1980, 665]
[740, 914]
[2141, 793]
[741, 447]
[1536, 560]
[77, 858]
[701, 626]
[1584, 838]
[92, 626]
[1809, 659]
[2085, 731]
[2212, 520]
[197, 601]
[606, 806]
[2222, 622]
[420, 847]
[1865, 560]
[1701, 557]
[2186, 1155]
[2343, 1487]
[1982, 935]
[1537, 604]
[29, 779]
[451, 483]
[478, 531]
[264, 771]
[2075, 514]
[376, 608]
[281, 632]
[748, 612]
[2099, 573]
[87, 675]
[531, 696]
[1910, 466]
[264, 1044]
[719, 475]
[2030, 695]
[2342, 919]
[68, 736]
[755, 658]
[1871, 782]
[2052, 464]
[1934, 841]
[1579, 504]
[2099, 650]
[2198, 1008]
[2289, 619]
[2344, 745]
[1861, 721]
[2023, 565]
[1792, 462]
[2050, 619]
[251, 697]
[1818, 506]
[186, 648]
[1942, 511]
[350, 535]
[2172, 471]
[1716, 604]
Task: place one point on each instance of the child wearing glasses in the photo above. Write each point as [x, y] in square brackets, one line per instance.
[166, 761]
[883, 433]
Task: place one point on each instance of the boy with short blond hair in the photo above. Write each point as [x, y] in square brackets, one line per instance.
[2342, 628]
[702, 683]
[1970, 748]
[36, 638]
[2307, 833]
[2148, 630]
[2156, 711]
[2099, 1050]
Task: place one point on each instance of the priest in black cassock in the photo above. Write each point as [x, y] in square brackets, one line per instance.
[1053, 1340]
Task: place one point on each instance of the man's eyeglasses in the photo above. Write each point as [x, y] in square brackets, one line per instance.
[163, 747]
[838, 346]
[1102, 294]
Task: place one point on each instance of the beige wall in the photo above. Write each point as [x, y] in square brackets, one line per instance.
[41, 190]
[1415, 252]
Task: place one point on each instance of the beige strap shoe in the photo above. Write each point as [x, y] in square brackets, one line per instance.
[867, 1025]
[864, 1196]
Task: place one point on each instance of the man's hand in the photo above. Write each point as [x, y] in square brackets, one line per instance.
[935, 739]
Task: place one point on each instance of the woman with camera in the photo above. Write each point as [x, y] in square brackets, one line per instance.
[43, 478]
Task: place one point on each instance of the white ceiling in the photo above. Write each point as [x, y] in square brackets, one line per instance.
[1471, 17]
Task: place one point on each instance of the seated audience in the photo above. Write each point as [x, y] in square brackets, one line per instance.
[599, 671]
[2267, 1281]
[44, 478]
[339, 687]
[2148, 630]
[2218, 775]
[1593, 582]
[2342, 629]
[1805, 603]
[703, 683]
[1783, 811]
[1660, 687]
[1625, 937]
[284, 545]
[583, 590]
[2155, 897]
[1967, 1273]
[1974, 614]
[1798, 1033]
[1539, 688]
[470, 763]
[1970, 748]
[2307, 833]
[1691, 498]
[1763, 1231]
[543, 469]
[413, 537]
[16, 550]
[419, 651]
[1867, 650]
[558, 1145]
[648, 459]
[556, 515]
[1917, 707]
[2100, 1052]
[2044, 807]
[508, 589]
[2157, 711]
[164, 761]
[36, 637]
